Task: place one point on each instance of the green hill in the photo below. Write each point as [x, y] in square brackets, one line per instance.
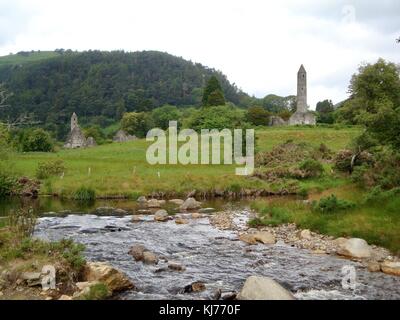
[99, 86]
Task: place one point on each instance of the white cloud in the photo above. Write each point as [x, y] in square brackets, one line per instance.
[259, 45]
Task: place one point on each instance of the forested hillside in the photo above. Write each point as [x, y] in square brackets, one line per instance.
[101, 86]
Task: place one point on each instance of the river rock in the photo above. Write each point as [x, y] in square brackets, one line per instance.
[120, 212]
[305, 234]
[263, 288]
[153, 203]
[196, 215]
[265, 237]
[103, 272]
[207, 210]
[137, 251]
[391, 267]
[178, 202]
[65, 297]
[142, 200]
[176, 266]
[149, 257]
[190, 204]
[104, 211]
[137, 218]
[161, 215]
[248, 238]
[355, 248]
[374, 266]
[181, 221]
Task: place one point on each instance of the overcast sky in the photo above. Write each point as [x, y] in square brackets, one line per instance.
[258, 44]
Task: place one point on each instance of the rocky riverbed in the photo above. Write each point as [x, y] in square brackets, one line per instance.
[199, 255]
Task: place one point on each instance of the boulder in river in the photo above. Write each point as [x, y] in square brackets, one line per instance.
[263, 288]
[142, 200]
[190, 204]
[265, 237]
[181, 221]
[100, 271]
[149, 257]
[355, 248]
[197, 286]
[153, 203]
[248, 238]
[161, 215]
[176, 266]
[391, 267]
[137, 251]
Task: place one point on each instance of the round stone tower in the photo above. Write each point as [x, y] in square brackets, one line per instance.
[74, 121]
[302, 90]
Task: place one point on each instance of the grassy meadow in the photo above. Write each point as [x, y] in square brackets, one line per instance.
[121, 169]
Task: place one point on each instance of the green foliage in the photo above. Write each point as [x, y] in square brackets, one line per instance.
[213, 94]
[50, 168]
[22, 222]
[332, 204]
[258, 116]
[312, 168]
[377, 195]
[84, 194]
[272, 216]
[384, 171]
[98, 291]
[219, 117]
[375, 94]
[104, 85]
[137, 123]
[8, 182]
[277, 104]
[163, 115]
[325, 112]
[95, 132]
[36, 140]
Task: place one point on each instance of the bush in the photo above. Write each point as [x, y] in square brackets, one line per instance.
[332, 204]
[312, 168]
[98, 291]
[8, 184]
[378, 196]
[49, 168]
[36, 140]
[344, 158]
[84, 194]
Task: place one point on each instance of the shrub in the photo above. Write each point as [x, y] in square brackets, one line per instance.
[22, 222]
[332, 204]
[84, 194]
[378, 196]
[49, 168]
[344, 158]
[36, 140]
[312, 168]
[8, 183]
[98, 291]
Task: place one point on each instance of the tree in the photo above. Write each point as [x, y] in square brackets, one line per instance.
[374, 86]
[163, 115]
[136, 123]
[95, 132]
[213, 94]
[325, 110]
[258, 116]
[36, 140]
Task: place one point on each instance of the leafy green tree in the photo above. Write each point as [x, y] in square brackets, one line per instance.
[375, 85]
[258, 116]
[218, 117]
[325, 111]
[163, 115]
[36, 140]
[95, 132]
[137, 123]
[213, 94]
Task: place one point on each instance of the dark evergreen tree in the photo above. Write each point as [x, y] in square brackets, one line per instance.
[213, 94]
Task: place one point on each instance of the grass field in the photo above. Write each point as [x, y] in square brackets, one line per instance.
[30, 57]
[121, 169]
